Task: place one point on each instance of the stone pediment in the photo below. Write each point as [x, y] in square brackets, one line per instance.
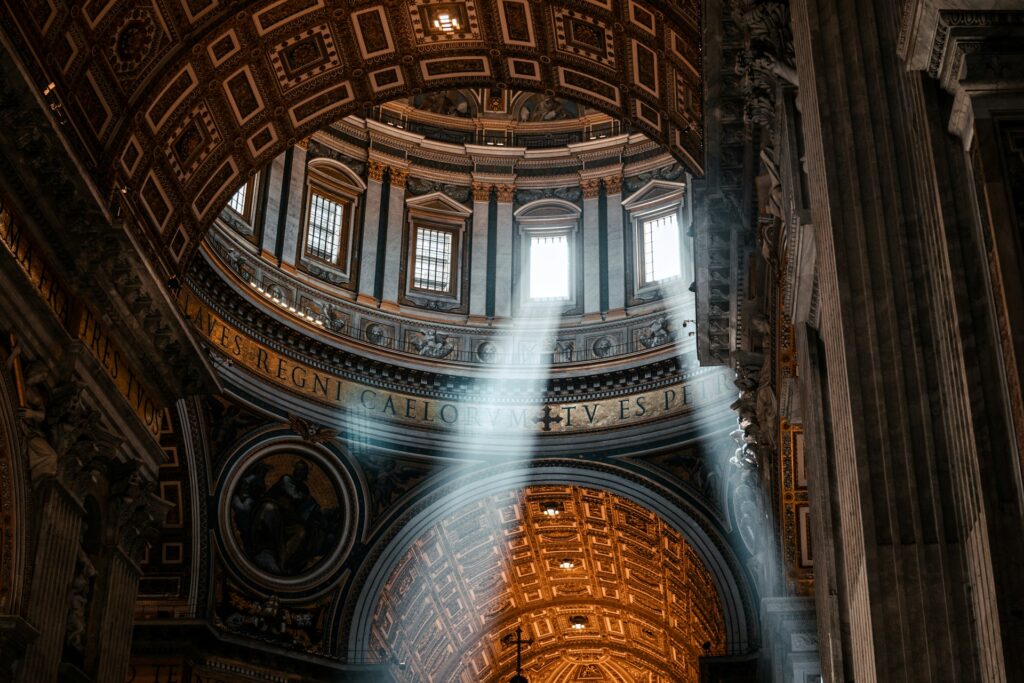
[655, 192]
[438, 202]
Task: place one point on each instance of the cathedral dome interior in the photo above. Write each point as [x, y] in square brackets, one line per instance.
[528, 341]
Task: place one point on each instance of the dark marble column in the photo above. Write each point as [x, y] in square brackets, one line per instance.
[114, 605]
[60, 525]
[917, 597]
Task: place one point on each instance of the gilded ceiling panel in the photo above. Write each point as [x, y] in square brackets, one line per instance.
[602, 588]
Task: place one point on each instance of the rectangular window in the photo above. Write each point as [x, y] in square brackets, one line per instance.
[661, 248]
[237, 201]
[549, 267]
[323, 233]
[433, 267]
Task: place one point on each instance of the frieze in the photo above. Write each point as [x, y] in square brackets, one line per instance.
[346, 319]
[328, 386]
[79, 321]
[210, 286]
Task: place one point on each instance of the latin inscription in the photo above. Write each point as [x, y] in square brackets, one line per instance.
[378, 403]
[81, 325]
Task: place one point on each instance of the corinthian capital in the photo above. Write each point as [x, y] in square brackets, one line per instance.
[482, 192]
[506, 193]
[376, 170]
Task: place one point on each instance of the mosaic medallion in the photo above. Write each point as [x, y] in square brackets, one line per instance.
[285, 514]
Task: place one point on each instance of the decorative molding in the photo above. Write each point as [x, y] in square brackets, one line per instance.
[506, 193]
[482, 192]
[399, 176]
[591, 188]
[376, 170]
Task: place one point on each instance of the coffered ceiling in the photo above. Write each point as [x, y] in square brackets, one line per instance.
[643, 602]
[175, 102]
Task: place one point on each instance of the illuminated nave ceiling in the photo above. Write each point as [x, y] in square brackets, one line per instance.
[648, 605]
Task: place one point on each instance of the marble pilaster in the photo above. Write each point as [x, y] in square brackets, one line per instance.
[115, 609]
[910, 464]
[591, 247]
[503, 249]
[616, 246]
[370, 231]
[294, 222]
[395, 236]
[273, 177]
[478, 257]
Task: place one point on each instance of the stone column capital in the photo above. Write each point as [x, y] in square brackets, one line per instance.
[376, 170]
[591, 188]
[482, 192]
[506, 193]
[399, 176]
[613, 184]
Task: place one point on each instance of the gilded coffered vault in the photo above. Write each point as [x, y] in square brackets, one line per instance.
[174, 103]
[421, 341]
[603, 587]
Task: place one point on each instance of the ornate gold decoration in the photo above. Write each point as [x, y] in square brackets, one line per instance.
[506, 193]
[399, 176]
[482, 192]
[591, 188]
[613, 184]
[376, 169]
[794, 509]
[636, 600]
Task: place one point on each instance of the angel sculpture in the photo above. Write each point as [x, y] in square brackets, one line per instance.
[310, 431]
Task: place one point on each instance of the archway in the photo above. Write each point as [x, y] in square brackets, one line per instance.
[681, 521]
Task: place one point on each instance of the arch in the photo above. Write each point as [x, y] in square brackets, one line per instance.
[548, 208]
[339, 171]
[175, 103]
[710, 546]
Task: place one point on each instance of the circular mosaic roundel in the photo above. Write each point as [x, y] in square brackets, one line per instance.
[285, 514]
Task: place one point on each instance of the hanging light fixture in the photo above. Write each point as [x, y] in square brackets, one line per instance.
[578, 622]
[552, 508]
[445, 21]
[567, 564]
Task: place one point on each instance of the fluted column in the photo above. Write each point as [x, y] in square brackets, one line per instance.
[57, 545]
[295, 194]
[616, 247]
[478, 256]
[591, 247]
[395, 235]
[115, 608]
[503, 251]
[907, 451]
[370, 231]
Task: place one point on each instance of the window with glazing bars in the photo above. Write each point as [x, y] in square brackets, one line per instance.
[433, 268]
[324, 231]
[237, 201]
[661, 248]
[549, 267]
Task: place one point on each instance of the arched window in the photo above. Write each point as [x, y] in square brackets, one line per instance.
[547, 238]
[436, 227]
[656, 215]
[331, 199]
